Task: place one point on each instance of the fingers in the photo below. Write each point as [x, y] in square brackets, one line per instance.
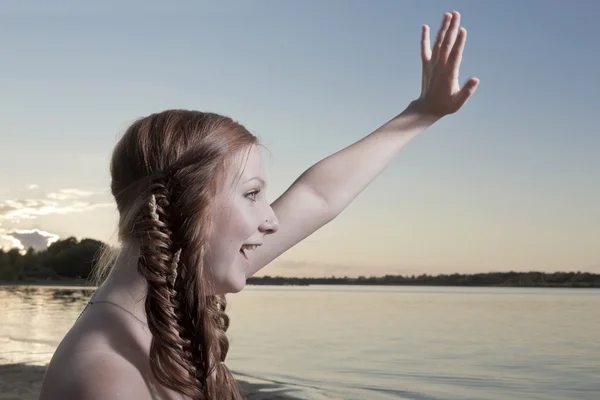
[455, 57]
[443, 60]
[467, 91]
[425, 44]
[440, 36]
[449, 37]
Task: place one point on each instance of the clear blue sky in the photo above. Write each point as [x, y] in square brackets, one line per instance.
[512, 182]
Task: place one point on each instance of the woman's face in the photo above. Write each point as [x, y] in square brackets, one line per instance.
[242, 216]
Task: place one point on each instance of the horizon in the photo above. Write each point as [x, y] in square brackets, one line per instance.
[506, 184]
[114, 249]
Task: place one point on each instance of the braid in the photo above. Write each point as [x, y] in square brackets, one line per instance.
[225, 386]
[171, 354]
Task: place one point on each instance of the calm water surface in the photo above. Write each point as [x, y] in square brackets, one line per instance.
[373, 342]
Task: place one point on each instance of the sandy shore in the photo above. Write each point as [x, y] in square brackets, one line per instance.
[23, 382]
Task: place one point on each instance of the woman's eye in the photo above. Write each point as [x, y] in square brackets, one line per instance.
[253, 193]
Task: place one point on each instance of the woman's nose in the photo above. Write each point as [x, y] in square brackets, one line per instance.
[271, 223]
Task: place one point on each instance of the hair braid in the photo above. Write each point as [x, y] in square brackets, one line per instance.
[218, 321]
[171, 348]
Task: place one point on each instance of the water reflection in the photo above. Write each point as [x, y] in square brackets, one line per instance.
[26, 293]
[34, 293]
[67, 296]
[375, 343]
[35, 318]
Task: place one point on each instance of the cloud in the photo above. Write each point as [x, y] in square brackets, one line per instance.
[69, 194]
[23, 239]
[61, 202]
[33, 186]
[30, 209]
[65, 201]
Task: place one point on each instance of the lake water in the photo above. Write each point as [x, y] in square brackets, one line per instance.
[351, 342]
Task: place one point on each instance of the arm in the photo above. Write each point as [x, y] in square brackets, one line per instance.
[324, 190]
[342, 176]
[339, 178]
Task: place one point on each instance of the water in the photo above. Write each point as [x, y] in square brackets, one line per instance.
[350, 342]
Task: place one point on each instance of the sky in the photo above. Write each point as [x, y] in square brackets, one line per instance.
[510, 183]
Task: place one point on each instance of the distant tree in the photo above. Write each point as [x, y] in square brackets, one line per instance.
[74, 260]
[60, 246]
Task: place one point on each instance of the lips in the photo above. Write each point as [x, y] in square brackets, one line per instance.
[243, 253]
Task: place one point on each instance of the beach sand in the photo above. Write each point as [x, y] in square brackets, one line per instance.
[23, 382]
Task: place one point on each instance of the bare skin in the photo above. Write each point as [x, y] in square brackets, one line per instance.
[105, 355]
[107, 346]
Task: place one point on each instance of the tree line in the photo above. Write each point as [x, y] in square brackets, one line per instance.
[72, 259]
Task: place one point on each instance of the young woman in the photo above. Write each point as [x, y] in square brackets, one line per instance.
[195, 224]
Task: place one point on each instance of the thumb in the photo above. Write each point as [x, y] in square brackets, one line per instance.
[467, 91]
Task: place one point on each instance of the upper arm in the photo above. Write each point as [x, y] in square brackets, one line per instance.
[111, 383]
[99, 377]
[300, 212]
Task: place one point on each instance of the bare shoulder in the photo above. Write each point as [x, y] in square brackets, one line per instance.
[109, 376]
[95, 376]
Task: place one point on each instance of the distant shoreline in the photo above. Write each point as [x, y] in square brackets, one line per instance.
[70, 262]
[316, 282]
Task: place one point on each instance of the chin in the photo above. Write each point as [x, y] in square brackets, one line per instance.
[238, 284]
[232, 283]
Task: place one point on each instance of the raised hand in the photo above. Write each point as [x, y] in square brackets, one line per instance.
[441, 93]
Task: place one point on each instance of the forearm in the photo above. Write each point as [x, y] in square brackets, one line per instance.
[342, 176]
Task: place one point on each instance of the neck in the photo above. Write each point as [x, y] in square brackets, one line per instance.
[124, 286]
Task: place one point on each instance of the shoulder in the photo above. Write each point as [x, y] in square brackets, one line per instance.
[109, 377]
[96, 376]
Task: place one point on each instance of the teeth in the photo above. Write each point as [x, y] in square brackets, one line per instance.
[249, 247]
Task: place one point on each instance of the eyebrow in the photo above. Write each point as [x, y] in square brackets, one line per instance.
[257, 178]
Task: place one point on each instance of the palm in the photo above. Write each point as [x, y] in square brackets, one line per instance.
[441, 93]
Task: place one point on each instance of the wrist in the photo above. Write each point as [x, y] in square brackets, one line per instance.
[419, 110]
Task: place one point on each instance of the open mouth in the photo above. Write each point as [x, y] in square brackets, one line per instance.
[246, 248]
